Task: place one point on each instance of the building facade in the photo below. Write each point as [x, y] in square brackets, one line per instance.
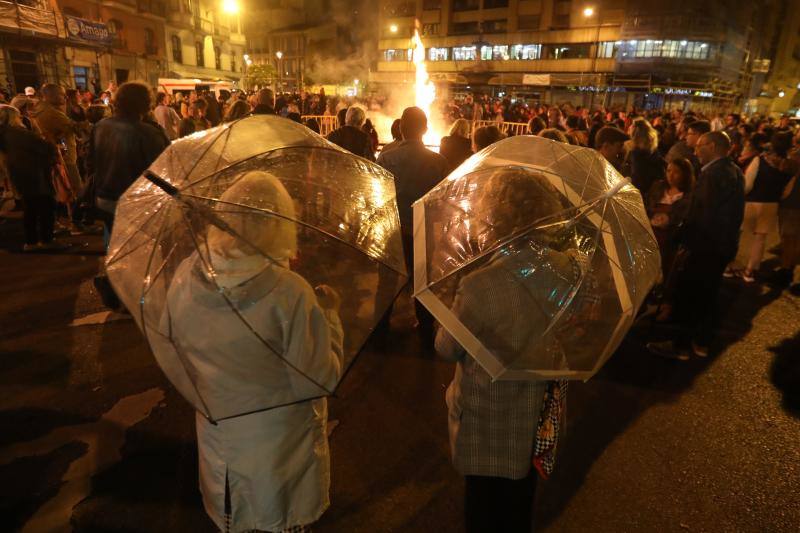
[135, 47]
[89, 43]
[776, 86]
[203, 41]
[614, 52]
[32, 40]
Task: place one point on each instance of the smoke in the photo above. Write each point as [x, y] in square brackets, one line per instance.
[348, 50]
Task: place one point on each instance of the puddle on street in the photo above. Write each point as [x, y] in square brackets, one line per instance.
[104, 440]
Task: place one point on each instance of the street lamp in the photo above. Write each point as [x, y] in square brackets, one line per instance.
[589, 12]
[393, 28]
[781, 94]
[279, 55]
[231, 7]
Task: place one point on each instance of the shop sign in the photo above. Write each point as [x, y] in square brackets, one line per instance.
[79, 29]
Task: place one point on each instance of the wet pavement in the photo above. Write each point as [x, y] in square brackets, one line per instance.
[93, 438]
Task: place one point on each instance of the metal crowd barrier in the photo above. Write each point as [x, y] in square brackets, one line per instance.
[327, 123]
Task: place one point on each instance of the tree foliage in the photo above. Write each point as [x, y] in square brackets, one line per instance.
[259, 76]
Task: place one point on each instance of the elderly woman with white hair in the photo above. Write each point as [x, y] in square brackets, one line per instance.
[29, 160]
[351, 137]
[269, 470]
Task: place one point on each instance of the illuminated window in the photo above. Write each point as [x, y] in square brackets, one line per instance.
[465, 53]
[198, 52]
[526, 51]
[397, 54]
[438, 54]
[500, 53]
[608, 49]
[177, 51]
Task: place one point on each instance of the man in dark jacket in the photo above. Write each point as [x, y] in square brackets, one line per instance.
[711, 237]
[685, 148]
[29, 160]
[265, 102]
[122, 147]
[416, 171]
[351, 137]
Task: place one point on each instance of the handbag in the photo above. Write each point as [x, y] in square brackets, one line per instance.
[549, 427]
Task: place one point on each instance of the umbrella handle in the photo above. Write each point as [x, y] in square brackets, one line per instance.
[161, 183]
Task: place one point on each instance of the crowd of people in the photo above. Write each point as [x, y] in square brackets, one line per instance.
[703, 180]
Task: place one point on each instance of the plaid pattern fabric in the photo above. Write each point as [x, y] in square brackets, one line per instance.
[549, 428]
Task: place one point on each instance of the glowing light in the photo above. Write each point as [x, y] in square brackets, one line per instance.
[424, 89]
[230, 7]
[781, 94]
[683, 43]
[393, 28]
[279, 54]
[355, 82]
[588, 12]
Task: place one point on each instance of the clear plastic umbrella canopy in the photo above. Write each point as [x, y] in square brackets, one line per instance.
[219, 251]
[535, 256]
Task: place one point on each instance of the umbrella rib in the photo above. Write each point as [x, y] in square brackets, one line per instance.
[270, 408]
[238, 313]
[183, 360]
[162, 266]
[632, 215]
[290, 219]
[627, 248]
[113, 259]
[523, 232]
[201, 156]
[336, 150]
[578, 285]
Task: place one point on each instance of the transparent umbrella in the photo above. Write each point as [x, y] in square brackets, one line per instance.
[535, 256]
[232, 251]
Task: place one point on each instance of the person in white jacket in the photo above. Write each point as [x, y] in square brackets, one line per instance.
[166, 117]
[253, 333]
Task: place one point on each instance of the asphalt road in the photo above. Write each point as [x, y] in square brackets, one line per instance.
[93, 438]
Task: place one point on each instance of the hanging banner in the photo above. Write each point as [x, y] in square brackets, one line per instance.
[79, 29]
[536, 79]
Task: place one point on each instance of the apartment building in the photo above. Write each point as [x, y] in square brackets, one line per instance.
[205, 40]
[615, 52]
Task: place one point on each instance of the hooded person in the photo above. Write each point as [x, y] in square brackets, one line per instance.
[254, 334]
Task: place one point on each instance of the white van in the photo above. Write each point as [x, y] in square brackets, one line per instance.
[174, 86]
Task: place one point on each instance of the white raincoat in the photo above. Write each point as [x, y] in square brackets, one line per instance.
[277, 462]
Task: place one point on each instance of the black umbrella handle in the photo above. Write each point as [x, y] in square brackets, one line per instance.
[161, 183]
[195, 207]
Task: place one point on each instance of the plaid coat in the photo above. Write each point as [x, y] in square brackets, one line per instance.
[493, 424]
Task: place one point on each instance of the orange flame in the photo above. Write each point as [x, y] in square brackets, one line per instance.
[424, 90]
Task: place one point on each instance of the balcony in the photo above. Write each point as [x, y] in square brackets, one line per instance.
[222, 31]
[28, 15]
[204, 25]
[179, 18]
[155, 7]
